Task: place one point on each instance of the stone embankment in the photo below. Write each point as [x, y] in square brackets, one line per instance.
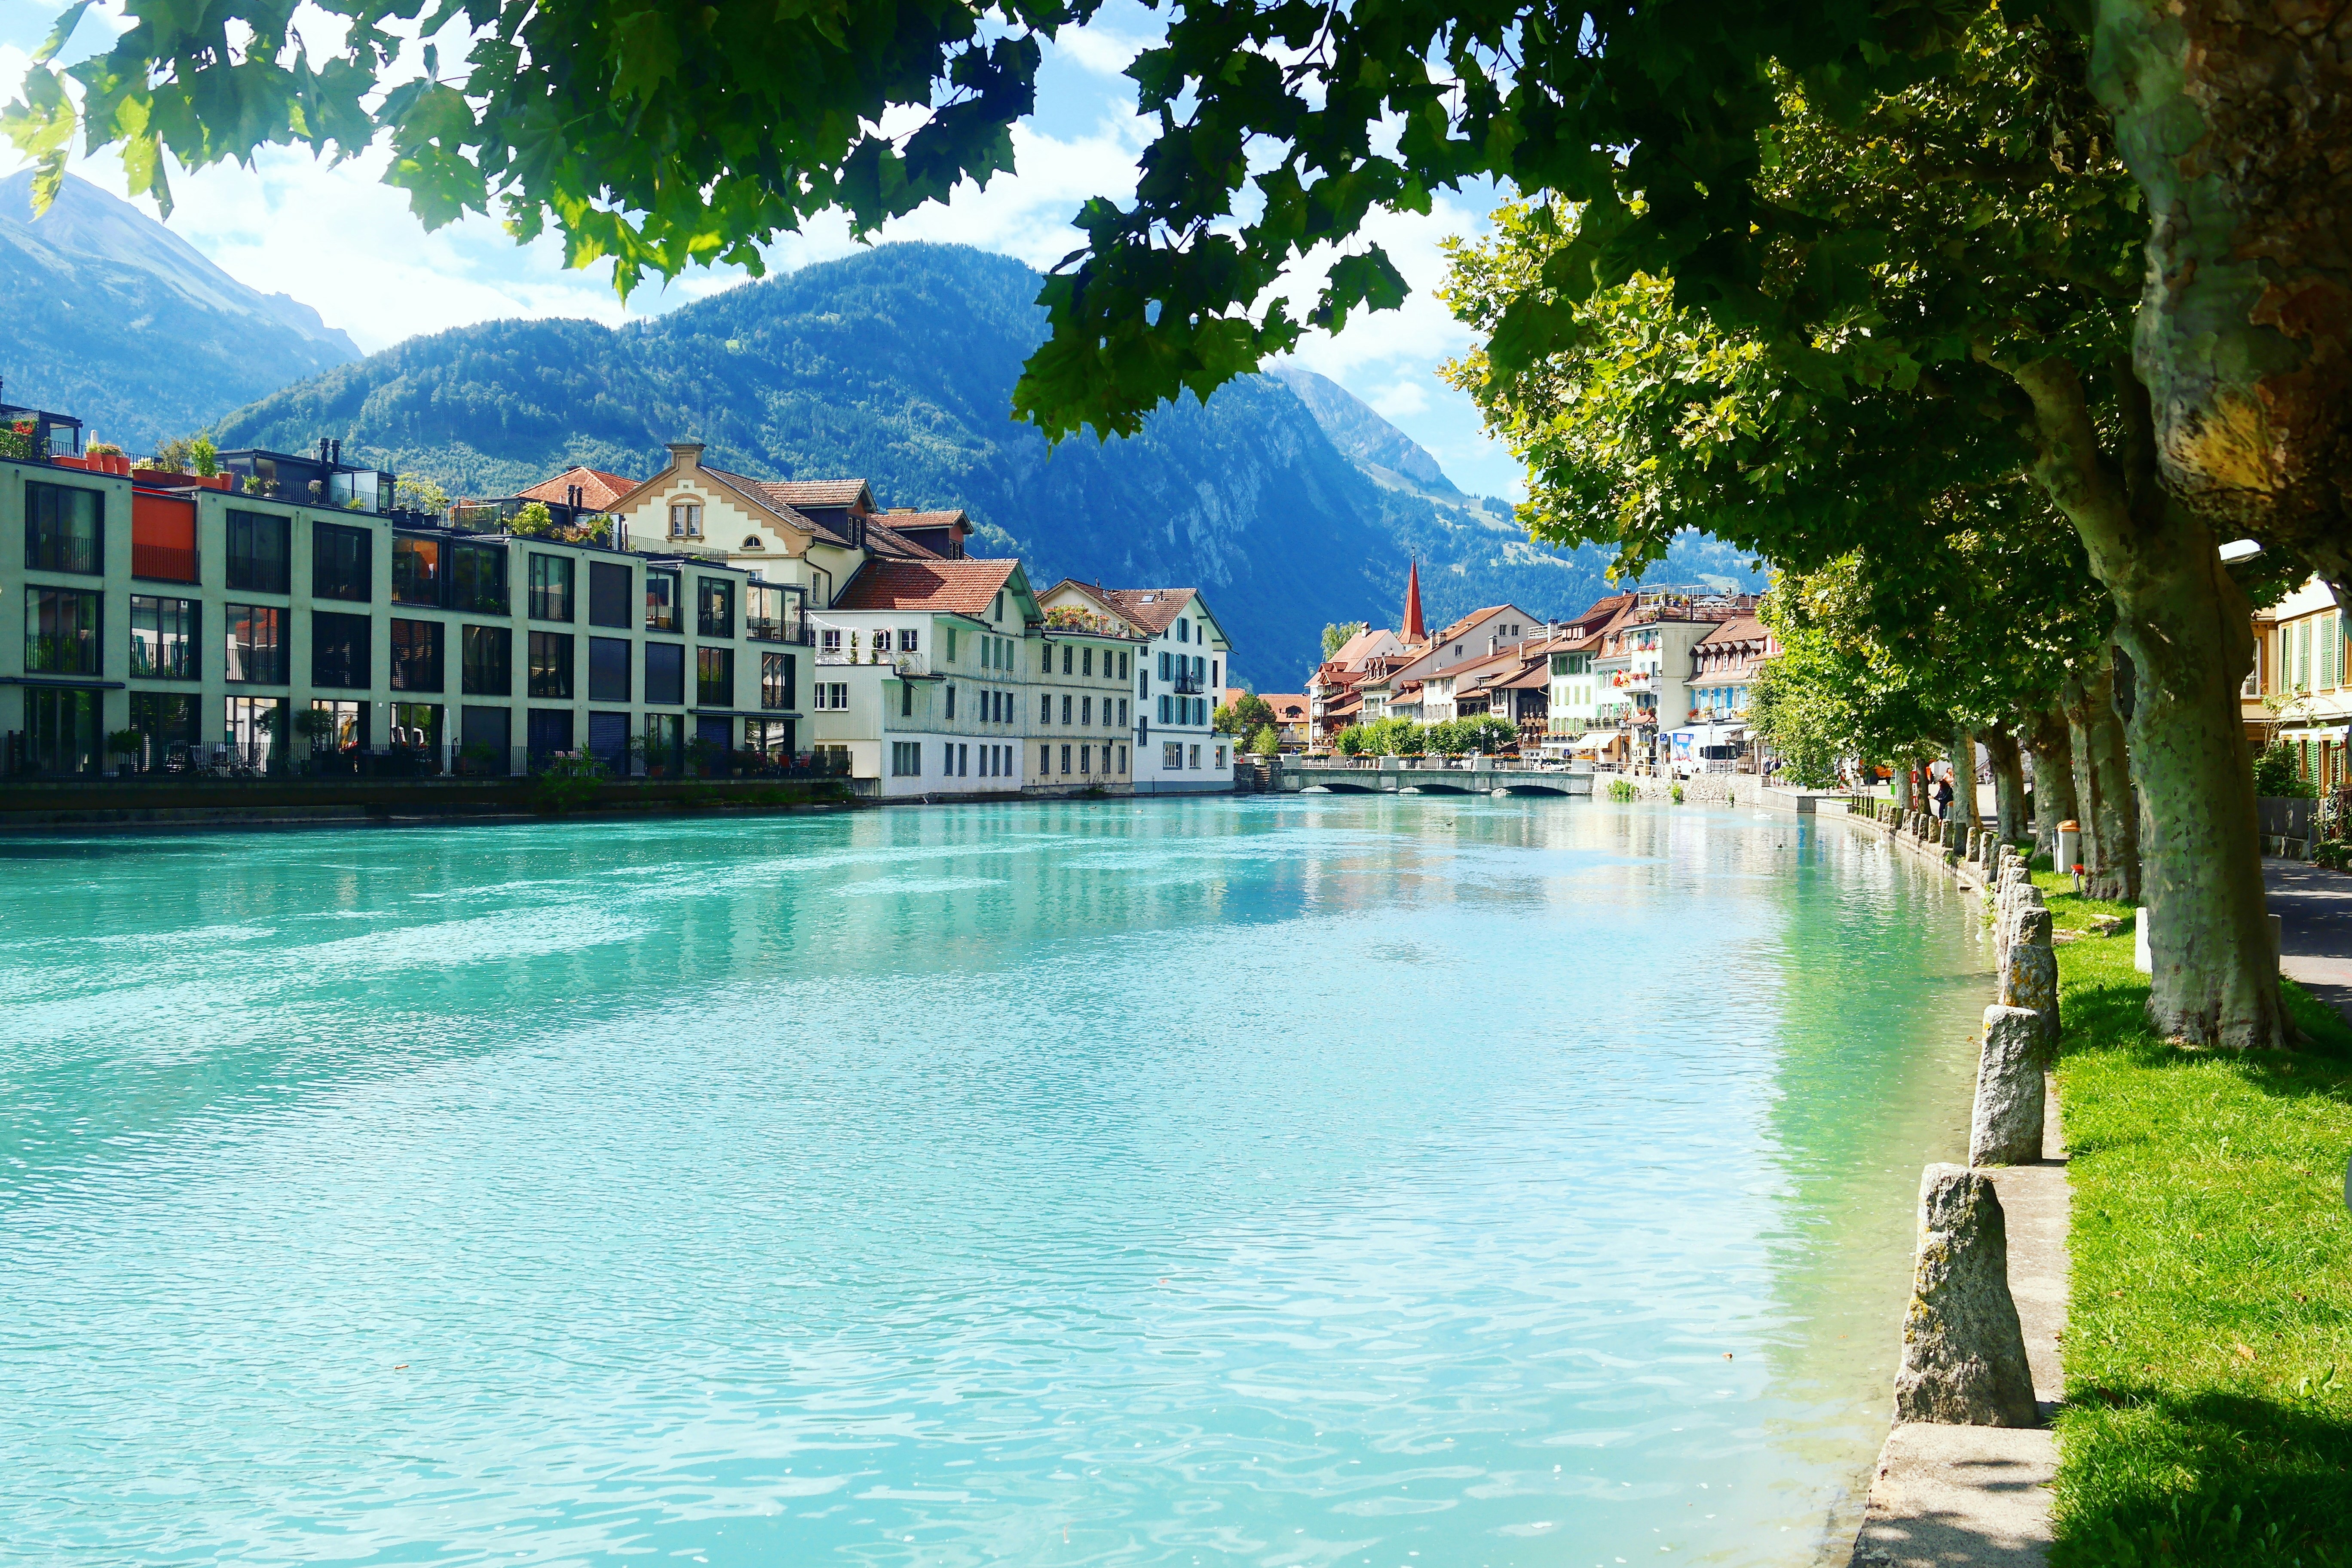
[1966, 1472]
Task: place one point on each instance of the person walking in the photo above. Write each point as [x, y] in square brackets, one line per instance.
[1943, 798]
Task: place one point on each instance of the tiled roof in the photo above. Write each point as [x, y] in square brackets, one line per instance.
[895, 518]
[1746, 629]
[1466, 622]
[777, 497]
[598, 489]
[1355, 649]
[757, 492]
[851, 493]
[951, 587]
[1288, 707]
[1153, 609]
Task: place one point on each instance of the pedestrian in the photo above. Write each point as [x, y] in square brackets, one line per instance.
[1943, 798]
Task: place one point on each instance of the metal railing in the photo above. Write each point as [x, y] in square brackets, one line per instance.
[793, 629]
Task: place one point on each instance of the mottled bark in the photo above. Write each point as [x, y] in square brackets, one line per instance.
[2008, 784]
[2053, 745]
[1899, 781]
[2188, 629]
[1963, 758]
[2234, 117]
[2104, 806]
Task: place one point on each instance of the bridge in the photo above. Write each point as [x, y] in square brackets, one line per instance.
[1411, 776]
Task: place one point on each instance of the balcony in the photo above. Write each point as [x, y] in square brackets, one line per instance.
[1187, 684]
[790, 628]
[162, 563]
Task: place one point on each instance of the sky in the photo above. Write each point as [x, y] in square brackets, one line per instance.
[342, 242]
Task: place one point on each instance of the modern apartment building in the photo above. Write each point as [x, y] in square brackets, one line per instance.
[234, 626]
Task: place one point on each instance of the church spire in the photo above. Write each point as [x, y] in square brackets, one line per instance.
[1412, 631]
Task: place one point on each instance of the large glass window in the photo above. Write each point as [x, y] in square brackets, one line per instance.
[256, 645]
[551, 587]
[342, 562]
[714, 677]
[254, 724]
[164, 638]
[339, 650]
[477, 579]
[260, 552]
[765, 612]
[416, 726]
[163, 720]
[714, 607]
[665, 674]
[61, 730]
[62, 628]
[608, 670]
[486, 660]
[416, 656]
[416, 570]
[65, 529]
[346, 729]
[777, 671]
[661, 601]
[551, 663]
[608, 593]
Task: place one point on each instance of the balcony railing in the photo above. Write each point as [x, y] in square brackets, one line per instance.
[1187, 684]
[793, 629]
[162, 563]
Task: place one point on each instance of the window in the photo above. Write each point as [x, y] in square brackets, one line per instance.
[905, 759]
[65, 529]
[831, 643]
[906, 700]
[1183, 631]
[776, 674]
[477, 579]
[1221, 756]
[259, 551]
[608, 593]
[661, 601]
[1122, 759]
[831, 695]
[715, 607]
[1196, 757]
[253, 725]
[550, 666]
[1166, 708]
[1086, 663]
[950, 702]
[665, 674]
[61, 631]
[486, 732]
[773, 737]
[347, 726]
[1171, 756]
[764, 618]
[551, 587]
[415, 571]
[996, 609]
[1068, 651]
[1045, 760]
[1045, 708]
[486, 663]
[1065, 759]
[1086, 710]
[1122, 667]
[164, 638]
[608, 668]
[1122, 713]
[686, 519]
[909, 641]
[256, 651]
[416, 726]
[416, 656]
[1165, 664]
[339, 650]
[714, 677]
[340, 562]
[1086, 759]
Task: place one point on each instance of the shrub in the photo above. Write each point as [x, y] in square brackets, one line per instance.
[2277, 776]
[1675, 794]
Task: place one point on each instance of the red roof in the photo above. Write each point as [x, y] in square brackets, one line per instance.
[598, 489]
[851, 493]
[951, 587]
[1153, 609]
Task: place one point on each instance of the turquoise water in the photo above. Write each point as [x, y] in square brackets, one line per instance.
[1308, 1181]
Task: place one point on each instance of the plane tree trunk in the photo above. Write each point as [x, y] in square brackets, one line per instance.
[2008, 784]
[2188, 630]
[1964, 785]
[2108, 816]
[2053, 745]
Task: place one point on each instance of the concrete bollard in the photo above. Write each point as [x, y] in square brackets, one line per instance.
[2005, 1125]
[1963, 1353]
[2028, 965]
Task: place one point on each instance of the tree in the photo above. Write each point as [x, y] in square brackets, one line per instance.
[1245, 715]
[1970, 299]
[1266, 742]
[1337, 635]
[420, 492]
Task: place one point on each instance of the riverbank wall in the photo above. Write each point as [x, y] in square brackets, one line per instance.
[135, 807]
[1945, 1494]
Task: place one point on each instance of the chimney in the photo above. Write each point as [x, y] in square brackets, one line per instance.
[339, 451]
[685, 456]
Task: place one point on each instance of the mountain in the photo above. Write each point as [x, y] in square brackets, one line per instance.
[896, 365]
[122, 322]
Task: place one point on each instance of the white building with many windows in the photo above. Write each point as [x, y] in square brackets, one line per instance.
[1183, 654]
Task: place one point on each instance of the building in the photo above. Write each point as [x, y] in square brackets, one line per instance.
[1642, 666]
[236, 630]
[2299, 692]
[1182, 657]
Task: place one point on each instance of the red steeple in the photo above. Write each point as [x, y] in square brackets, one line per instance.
[1412, 632]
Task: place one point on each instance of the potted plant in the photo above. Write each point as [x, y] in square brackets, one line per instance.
[652, 751]
[702, 755]
[315, 725]
[126, 744]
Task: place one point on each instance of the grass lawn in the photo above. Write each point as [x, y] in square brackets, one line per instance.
[2208, 1346]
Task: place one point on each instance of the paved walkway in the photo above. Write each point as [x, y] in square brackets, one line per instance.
[2315, 909]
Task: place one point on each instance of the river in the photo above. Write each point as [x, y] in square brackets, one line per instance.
[1322, 1180]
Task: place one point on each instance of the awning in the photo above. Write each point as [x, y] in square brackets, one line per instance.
[1597, 739]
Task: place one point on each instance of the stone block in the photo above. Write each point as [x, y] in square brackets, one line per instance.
[1963, 1354]
[2005, 1128]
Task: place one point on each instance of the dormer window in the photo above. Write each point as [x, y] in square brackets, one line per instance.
[686, 519]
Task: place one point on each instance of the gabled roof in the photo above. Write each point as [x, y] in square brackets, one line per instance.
[850, 493]
[1289, 706]
[598, 489]
[946, 588]
[1466, 622]
[907, 517]
[1745, 628]
[1153, 609]
[776, 497]
[1357, 649]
